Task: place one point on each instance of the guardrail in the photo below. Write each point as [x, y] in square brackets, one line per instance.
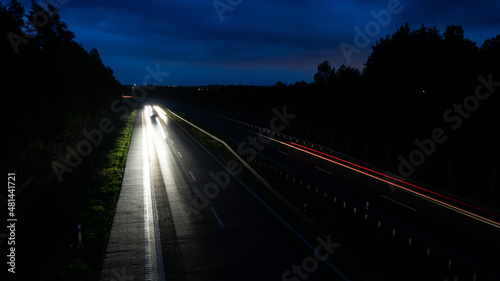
[413, 238]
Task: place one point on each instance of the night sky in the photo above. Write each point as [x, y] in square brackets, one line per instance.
[201, 42]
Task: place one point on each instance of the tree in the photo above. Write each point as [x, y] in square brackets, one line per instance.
[410, 62]
[280, 84]
[52, 80]
[325, 76]
[95, 57]
[60, 27]
[490, 55]
[454, 34]
[386, 64]
[461, 58]
[348, 74]
[50, 28]
[16, 11]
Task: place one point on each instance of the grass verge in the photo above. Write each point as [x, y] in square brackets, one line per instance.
[86, 196]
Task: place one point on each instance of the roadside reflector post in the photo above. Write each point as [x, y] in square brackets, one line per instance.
[428, 251]
[493, 179]
[393, 232]
[367, 205]
[80, 234]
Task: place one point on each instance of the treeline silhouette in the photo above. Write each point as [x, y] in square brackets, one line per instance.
[50, 85]
[414, 81]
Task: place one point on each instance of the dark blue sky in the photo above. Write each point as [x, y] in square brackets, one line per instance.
[257, 42]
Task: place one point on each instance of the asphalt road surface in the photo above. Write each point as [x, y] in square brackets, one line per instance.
[181, 215]
[459, 227]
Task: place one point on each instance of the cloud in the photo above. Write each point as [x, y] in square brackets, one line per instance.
[271, 36]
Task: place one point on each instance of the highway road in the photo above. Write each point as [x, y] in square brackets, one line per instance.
[181, 215]
[463, 229]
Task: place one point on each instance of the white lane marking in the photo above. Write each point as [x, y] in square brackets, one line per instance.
[283, 152]
[172, 141]
[192, 176]
[217, 217]
[151, 227]
[291, 228]
[267, 137]
[399, 203]
[179, 154]
[324, 170]
[147, 202]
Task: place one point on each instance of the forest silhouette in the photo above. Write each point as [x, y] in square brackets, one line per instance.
[51, 85]
[414, 82]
